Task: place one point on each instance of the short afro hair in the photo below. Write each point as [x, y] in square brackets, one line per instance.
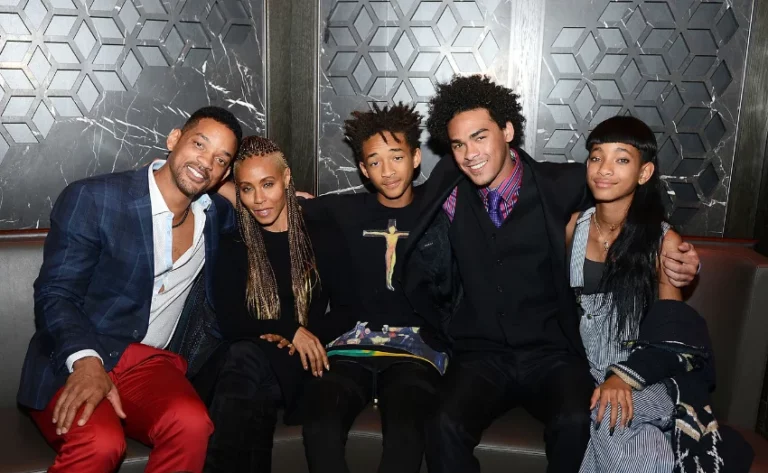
[398, 118]
[225, 117]
[462, 94]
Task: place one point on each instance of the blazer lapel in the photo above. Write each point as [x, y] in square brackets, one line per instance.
[211, 233]
[141, 210]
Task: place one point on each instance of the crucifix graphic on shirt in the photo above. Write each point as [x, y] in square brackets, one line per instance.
[391, 235]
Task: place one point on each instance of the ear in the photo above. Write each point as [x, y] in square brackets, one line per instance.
[363, 170]
[416, 158]
[173, 139]
[287, 177]
[646, 171]
[509, 132]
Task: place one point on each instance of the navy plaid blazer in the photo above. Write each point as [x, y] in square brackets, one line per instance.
[95, 285]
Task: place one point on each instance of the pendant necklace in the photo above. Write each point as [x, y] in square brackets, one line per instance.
[606, 245]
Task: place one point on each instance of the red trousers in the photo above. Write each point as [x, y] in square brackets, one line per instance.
[162, 410]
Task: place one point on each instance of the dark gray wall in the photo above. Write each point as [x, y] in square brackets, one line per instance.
[677, 64]
[94, 86]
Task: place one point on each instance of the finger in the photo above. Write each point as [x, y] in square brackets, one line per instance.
[71, 395]
[630, 409]
[114, 398]
[314, 360]
[304, 359]
[283, 343]
[86, 414]
[60, 403]
[601, 409]
[672, 265]
[614, 411]
[293, 350]
[324, 355]
[71, 413]
[595, 398]
[684, 247]
[623, 417]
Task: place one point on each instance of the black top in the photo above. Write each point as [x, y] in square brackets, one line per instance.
[593, 273]
[375, 236]
[510, 301]
[231, 275]
[236, 321]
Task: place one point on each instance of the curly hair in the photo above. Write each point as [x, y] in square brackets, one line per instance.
[398, 118]
[261, 292]
[462, 94]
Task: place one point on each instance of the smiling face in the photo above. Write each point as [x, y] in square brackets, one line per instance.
[200, 156]
[389, 164]
[614, 170]
[480, 147]
[262, 183]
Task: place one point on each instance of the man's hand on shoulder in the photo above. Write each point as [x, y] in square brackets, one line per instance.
[680, 262]
[87, 385]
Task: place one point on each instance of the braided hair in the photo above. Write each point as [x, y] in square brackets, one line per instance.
[261, 291]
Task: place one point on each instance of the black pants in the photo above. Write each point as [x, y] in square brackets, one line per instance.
[243, 408]
[554, 388]
[406, 394]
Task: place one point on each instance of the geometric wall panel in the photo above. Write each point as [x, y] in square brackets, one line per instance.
[399, 50]
[94, 86]
[676, 65]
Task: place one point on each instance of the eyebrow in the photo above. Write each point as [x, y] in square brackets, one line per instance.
[473, 135]
[393, 150]
[227, 153]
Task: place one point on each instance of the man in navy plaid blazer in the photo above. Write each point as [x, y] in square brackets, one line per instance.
[120, 258]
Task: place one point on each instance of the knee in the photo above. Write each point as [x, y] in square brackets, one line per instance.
[104, 444]
[571, 420]
[186, 418]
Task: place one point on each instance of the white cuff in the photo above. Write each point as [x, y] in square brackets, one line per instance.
[71, 359]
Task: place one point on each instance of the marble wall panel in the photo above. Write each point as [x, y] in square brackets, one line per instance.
[94, 86]
[676, 64]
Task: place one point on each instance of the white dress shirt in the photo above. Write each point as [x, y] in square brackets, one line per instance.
[172, 280]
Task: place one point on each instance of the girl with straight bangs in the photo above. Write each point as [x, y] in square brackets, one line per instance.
[271, 312]
[644, 344]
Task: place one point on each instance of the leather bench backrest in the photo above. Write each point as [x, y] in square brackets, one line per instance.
[731, 293]
[19, 265]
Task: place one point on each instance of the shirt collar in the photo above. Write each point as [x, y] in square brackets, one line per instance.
[484, 191]
[156, 199]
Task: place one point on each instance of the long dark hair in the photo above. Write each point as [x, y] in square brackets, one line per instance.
[630, 274]
[261, 292]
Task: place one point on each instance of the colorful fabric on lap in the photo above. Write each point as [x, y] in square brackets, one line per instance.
[390, 341]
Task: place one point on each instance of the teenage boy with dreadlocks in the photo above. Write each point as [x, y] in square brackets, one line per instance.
[383, 356]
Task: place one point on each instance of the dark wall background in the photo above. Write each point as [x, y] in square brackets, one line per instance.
[94, 86]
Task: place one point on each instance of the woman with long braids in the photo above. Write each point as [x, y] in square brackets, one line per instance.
[648, 351]
[271, 308]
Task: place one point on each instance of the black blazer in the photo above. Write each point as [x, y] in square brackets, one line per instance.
[431, 279]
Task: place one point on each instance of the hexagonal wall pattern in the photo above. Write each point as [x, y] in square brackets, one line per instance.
[387, 51]
[413, 44]
[59, 58]
[668, 63]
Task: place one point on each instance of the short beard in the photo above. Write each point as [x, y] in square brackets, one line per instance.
[183, 185]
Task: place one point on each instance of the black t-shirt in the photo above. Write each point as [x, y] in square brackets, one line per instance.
[375, 237]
